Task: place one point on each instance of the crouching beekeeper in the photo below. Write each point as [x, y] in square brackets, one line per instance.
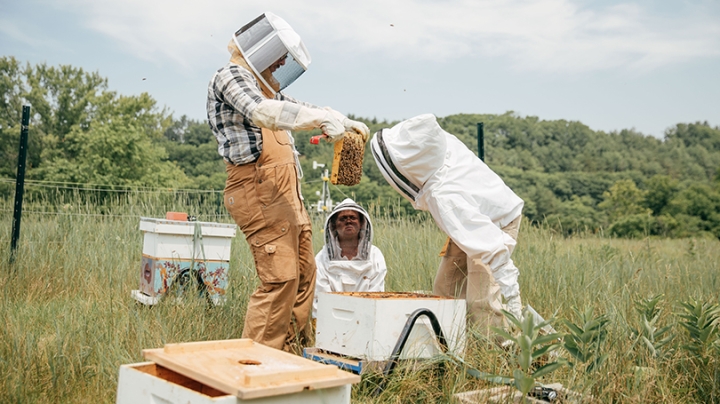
[436, 172]
[349, 262]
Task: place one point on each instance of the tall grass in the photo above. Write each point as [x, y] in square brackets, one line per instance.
[69, 320]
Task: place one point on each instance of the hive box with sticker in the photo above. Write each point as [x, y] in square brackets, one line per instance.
[177, 251]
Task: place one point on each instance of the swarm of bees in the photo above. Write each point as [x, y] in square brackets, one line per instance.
[348, 159]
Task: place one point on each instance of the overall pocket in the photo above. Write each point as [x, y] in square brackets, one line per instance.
[274, 250]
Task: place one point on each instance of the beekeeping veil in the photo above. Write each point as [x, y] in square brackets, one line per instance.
[273, 50]
[364, 237]
[409, 153]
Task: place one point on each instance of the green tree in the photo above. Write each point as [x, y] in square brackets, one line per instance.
[632, 226]
[699, 133]
[114, 147]
[577, 215]
[62, 97]
[659, 190]
[11, 86]
[80, 132]
[697, 208]
[540, 203]
[623, 199]
[192, 146]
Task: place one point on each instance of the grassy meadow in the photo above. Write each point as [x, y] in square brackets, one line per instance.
[69, 320]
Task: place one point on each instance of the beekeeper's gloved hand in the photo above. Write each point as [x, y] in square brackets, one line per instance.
[514, 306]
[357, 127]
[274, 115]
[351, 125]
[333, 128]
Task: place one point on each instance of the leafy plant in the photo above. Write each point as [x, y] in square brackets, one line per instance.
[654, 339]
[529, 345]
[702, 321]
[585, 340]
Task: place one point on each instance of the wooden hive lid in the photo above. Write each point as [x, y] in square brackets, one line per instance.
[247, 369]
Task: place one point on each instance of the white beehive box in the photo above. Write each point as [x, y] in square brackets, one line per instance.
[230, 372]
[367, 325]
[171, 247]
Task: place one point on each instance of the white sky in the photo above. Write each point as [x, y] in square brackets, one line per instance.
[612, 65]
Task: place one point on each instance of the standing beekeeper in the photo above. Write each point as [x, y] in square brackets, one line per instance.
[251, 120]
[436, 172]
[349, 262]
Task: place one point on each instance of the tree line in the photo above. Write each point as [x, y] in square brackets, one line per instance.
[571, 178]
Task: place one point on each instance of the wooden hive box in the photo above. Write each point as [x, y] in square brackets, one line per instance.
[230, 371]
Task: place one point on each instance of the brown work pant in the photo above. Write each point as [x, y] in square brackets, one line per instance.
[278, 311]
[460, 276]
[264, 200]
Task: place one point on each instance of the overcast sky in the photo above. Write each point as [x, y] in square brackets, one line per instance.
[612, 65]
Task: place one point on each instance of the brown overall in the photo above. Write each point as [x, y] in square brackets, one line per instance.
[466, 278]
[264, 199]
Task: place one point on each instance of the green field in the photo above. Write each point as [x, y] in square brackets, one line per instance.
[69, 320]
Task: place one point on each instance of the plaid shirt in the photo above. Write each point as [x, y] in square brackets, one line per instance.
[233, 95]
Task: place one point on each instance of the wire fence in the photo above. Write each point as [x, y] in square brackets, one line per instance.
[104, 187]
[68, 199]
[103, 200]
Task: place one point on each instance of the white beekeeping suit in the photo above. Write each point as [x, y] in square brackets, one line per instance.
[436, 172]
[335, 273]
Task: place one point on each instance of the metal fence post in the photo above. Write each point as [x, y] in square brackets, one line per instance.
[481, 140]
[20, 181]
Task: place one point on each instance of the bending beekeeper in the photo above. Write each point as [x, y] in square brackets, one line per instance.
[349, 262]
[436, 172]
[251, 119]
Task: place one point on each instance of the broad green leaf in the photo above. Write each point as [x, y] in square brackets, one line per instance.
[511, 317]
[544, 339]
[501, 332]
[573, 328]
[548, 368]
[542, 351]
